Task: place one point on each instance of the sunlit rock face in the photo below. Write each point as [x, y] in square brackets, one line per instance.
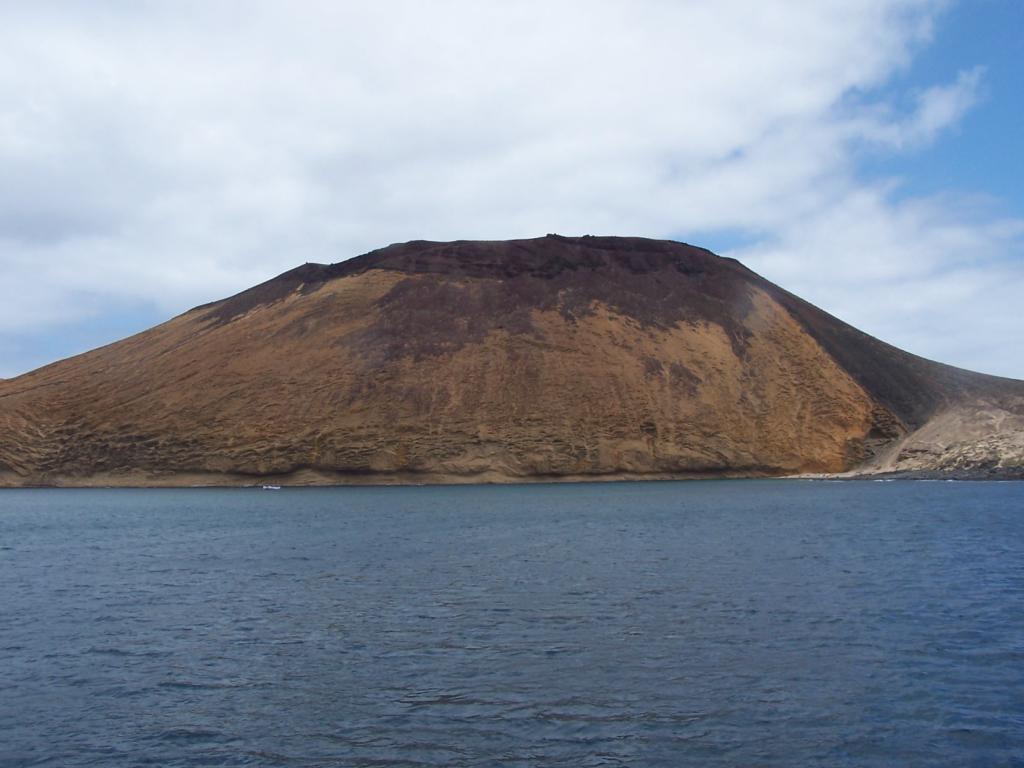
[543, 359]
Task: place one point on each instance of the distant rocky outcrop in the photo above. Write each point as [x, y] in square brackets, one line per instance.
[545, 359]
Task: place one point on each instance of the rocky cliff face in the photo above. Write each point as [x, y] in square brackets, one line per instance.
[552, 358]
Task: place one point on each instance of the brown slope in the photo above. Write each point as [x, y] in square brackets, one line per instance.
[546, 358]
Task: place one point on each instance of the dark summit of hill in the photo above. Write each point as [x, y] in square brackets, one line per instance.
[570, 275]
[541, 257]
[548, 358]
[571, 259]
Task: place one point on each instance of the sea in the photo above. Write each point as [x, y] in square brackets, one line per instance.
[709, 623]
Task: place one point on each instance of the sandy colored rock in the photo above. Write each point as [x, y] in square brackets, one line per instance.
[553, 358]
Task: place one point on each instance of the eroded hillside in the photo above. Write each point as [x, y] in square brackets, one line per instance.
[553, 358]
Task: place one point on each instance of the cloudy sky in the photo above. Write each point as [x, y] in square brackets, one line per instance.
[865, 154]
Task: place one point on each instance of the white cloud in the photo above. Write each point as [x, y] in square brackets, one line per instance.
[936, 108]
[177, 152]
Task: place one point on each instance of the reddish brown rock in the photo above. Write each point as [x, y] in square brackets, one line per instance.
[552, 358]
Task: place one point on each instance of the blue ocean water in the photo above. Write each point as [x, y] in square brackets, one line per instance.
[741, 623]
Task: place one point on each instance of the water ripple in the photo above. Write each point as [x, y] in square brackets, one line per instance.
[716, 624]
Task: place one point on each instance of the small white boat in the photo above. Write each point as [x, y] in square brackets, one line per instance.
[271, 487]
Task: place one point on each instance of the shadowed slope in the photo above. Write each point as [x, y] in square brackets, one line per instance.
[531, 359]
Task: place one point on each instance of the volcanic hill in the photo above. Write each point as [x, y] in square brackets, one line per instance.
[544, 359]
